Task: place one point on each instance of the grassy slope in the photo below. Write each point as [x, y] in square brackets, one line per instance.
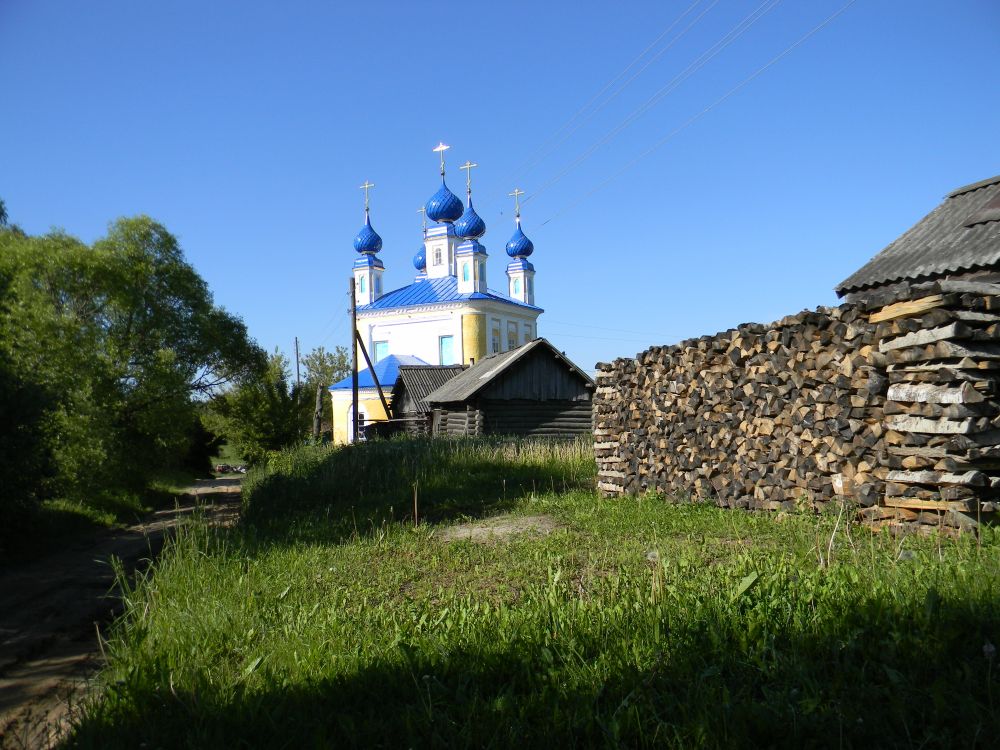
[329, 619]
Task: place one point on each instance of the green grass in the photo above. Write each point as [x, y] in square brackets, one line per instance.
[328, 619]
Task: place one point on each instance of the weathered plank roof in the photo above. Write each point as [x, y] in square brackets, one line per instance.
[419, 380]
[478, 376]
[961, 234]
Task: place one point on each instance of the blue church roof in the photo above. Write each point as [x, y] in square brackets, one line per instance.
[444, 205]
[367, 240]
[520, 246]
[470, 225]
[386, 369]
[433, 291]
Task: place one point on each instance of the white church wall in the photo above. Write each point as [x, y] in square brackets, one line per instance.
[416, 334]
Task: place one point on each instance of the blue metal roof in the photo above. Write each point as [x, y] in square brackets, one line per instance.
[434, 291]
[519, 264]
[444, 205]
[520, 246]
[470, 226]
[367, 240]
[470, 247]
[387, 370]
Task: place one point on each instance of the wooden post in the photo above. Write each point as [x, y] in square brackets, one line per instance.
[298, 371]
[371, 369]
[354, 364]
[318, 413]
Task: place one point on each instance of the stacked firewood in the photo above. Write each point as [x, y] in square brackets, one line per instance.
[893, 401]
[941, 352]
[780, 416]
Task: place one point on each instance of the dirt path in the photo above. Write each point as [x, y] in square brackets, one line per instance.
[50, 610]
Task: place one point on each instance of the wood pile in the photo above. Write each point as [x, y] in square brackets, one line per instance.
[893, 401]
[760, 416]
[940, 349]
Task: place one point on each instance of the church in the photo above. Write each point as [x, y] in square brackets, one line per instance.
[448, 315]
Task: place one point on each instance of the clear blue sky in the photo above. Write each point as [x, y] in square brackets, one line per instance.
[246, 127]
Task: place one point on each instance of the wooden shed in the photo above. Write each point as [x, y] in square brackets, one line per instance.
[410, 391]
[533, 390]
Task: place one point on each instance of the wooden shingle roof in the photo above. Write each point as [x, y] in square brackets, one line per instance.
[420, 380]
[478, 376]
[962, 234]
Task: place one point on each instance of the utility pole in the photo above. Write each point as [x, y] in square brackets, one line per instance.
[298, 372]
[354, 364]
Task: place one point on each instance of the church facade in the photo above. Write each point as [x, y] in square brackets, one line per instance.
[449, 314]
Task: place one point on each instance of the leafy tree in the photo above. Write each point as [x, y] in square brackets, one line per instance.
[26, 459]
[124, 339]
[323, 369]
[264, 414]
[326, 368]
[3, 213]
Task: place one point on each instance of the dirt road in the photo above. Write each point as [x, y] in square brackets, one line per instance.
[51, 609]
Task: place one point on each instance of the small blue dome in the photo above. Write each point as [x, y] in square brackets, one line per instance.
[420, 259]
[470, 226]
[444, 206]
[367, 240]
[520, 246]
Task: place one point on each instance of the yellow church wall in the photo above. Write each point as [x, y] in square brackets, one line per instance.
[473, 337]
[369, 404]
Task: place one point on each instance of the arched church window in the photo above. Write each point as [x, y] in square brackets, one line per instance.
[465, 272]
[437, 256]
[378, 285]
[482, 271]
[361, 284]
[517, 286]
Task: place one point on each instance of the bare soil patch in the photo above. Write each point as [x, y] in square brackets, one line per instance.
[52, 609]
[499, 528]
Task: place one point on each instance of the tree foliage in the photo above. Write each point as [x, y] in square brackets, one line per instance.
[323, 369]
[264, 414]
[118, 342]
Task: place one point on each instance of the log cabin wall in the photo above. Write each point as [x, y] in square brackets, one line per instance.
[891, 401]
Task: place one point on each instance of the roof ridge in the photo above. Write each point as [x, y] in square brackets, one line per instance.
[974, 186]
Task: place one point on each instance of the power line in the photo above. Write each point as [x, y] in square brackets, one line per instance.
[701, 114]
[731, 36]
[539, 154]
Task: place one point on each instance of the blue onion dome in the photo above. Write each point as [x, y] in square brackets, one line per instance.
[520, 246]
[444, 206]
[367, 240]
[470, 226]
[420, 259]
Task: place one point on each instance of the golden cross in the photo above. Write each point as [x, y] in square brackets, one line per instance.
[366, 187]
[423, 215]
[468, 167]
[441, 148]
[517, 203]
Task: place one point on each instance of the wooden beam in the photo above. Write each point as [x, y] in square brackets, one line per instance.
[913, 504]
[934, 394]
[967, 479]
[902, 423]
[920, 338]
[907, 308]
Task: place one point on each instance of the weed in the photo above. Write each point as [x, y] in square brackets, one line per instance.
[326, 619]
